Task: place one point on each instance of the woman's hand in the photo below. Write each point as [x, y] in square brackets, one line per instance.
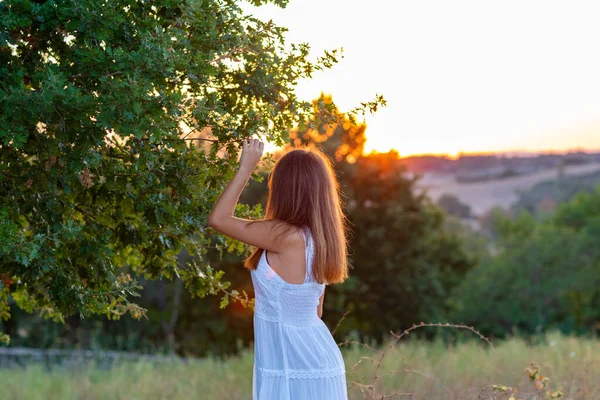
[252, 150]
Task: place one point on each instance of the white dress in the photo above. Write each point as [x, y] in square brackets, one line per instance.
[295, 356]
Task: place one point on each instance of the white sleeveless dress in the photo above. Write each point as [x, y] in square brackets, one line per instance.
[295, 356]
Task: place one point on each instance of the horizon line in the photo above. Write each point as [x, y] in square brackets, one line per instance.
[513, 153]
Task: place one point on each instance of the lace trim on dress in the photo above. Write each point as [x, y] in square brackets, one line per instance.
[301, 374]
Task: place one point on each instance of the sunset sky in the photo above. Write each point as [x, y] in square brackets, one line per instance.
[459, 76]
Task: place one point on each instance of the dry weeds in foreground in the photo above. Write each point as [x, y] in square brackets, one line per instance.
[371, 390]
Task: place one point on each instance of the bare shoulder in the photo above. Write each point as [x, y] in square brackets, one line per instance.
[285, 237]
[293, 236]
[289, 262]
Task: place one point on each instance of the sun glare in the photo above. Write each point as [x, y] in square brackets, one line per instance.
[460, 76]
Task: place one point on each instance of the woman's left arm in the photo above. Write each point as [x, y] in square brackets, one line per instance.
[221, 218]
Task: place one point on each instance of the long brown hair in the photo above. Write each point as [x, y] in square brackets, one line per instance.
[305, 193]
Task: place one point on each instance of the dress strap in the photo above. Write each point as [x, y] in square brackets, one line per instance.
[307, 253]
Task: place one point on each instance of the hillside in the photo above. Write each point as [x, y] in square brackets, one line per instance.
[481, 196]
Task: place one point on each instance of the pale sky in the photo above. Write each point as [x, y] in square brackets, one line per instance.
[459, 76]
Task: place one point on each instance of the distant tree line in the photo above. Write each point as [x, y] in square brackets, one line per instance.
[545, 274]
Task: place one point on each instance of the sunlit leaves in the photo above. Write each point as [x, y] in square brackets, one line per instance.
[119, 127]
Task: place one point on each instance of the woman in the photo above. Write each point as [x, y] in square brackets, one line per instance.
[300, 248]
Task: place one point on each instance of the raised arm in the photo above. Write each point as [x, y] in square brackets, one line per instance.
[222, 219]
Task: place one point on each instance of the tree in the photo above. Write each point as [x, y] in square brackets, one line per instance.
[546, 273]
[551, 192]
[453, 206]
[404, 263]
[99, 107]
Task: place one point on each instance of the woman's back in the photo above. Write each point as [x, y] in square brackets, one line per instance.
[279, 300]
[295, 354]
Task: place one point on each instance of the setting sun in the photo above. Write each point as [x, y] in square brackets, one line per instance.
[464, 76]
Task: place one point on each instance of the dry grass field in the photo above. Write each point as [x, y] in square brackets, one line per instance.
[419, 369]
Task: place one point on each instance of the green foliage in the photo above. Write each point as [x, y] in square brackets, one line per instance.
[555, 191]
[475, 241]
[118, 129]
[582, 213]
[404, 262]
[453, 206]
[545, 274]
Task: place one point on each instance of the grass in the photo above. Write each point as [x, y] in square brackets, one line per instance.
[428, 369]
